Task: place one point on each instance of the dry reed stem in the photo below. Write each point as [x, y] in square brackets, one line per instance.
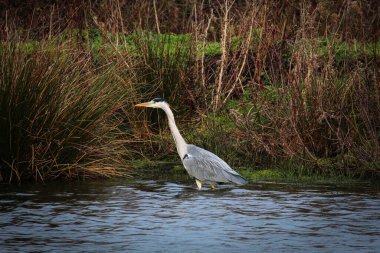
[156, 16]
[245, 51]
[203, 73]
[223, 60]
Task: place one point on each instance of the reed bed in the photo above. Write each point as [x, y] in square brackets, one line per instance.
[59, 115]
[291, 84]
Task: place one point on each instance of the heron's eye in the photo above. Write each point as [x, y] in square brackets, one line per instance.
[156, 100]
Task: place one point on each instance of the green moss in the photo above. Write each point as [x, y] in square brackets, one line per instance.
[297, 175]
[263, 174]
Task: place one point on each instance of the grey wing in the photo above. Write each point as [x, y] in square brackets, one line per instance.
[206, 166]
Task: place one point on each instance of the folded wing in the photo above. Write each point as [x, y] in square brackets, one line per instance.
[208, 167]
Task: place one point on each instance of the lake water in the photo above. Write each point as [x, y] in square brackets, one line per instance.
[158, 216]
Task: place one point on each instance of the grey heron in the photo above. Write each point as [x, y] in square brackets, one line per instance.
[199, 163]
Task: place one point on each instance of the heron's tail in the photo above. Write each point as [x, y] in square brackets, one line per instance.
[237, 179]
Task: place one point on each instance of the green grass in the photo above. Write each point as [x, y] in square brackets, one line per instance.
[172, 43]
[346, 50]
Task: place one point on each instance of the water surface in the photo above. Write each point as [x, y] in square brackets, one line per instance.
[151, 216]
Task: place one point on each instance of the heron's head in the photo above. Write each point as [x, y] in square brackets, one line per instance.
[155, 103]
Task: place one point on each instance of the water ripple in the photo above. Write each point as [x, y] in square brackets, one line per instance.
[149, 216]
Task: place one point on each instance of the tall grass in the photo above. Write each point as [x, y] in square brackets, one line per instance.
[58, 116]
[161, 63]
[309, 103]
[260, 83]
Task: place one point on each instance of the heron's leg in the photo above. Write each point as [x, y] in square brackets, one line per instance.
[213, 186]
[199, 184]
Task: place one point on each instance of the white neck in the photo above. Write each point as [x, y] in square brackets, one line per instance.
[179, 141]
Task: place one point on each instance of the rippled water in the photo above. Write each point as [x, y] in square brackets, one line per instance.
[149, 216]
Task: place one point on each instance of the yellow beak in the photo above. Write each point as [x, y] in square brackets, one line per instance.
[143, 104]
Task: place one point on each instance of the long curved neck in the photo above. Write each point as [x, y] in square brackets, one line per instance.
[179, 141]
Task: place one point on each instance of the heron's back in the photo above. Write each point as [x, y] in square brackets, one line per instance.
[208, 167]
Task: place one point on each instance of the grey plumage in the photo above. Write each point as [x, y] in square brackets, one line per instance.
[208, 167]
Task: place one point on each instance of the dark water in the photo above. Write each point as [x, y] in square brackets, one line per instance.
[149, 216]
